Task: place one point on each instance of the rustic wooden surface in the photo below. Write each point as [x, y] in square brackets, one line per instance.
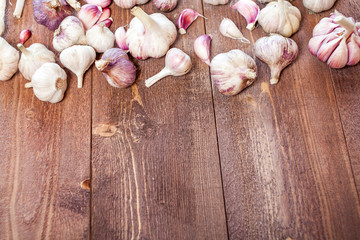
[180, 160]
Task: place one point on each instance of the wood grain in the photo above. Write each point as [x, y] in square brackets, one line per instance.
[45, 153]
[155, 162]
[285, 166]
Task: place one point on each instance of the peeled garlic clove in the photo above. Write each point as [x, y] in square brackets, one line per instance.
[49, 83]
[186, 18]
[89, 14]
[107, 22]
[165, 5]
[233, 71]
[33, 57]
[280, 17]
[129, 3]
[216, 2]
[100, 38]
[318, 5]
[120, 37]
[70, 32]
[118, 70]
[9, 58]
[24, 35]
[106, 12]
[277, 52]
[177, 63]
[249, 10]
[229, 29]
[101, 3]
[78, 59]
[202, 48]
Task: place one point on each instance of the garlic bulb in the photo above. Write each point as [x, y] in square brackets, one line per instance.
[165, 5]
[101, 3]
[120, 37]
[9, 58]
[336, 40]
[2, 16]
[100, 38]
[149, 35]
[216, 2]
[202, 48]
[78, 59]
[280, 17]
[129, 3]
[33, 58]
[249, 10]
[229, 29]
[89, 14]
[318, 5]
[177, 63]
[277, 52]
[118, 70]
[232, 71]
[186, 18]
[69, 33]
[49, 83]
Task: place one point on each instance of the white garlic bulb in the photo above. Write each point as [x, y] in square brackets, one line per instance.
[233, 71]
[216, 2]
[280, 17]
[33, 57]
[78, 59]
[100, 38]
[70, 32]
[318, 5]
[49, 83]
[9, 58]
[129, 3]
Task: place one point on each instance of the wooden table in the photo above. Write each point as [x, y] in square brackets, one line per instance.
[180, 160]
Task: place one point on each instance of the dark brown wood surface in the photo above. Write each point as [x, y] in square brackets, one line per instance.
[179, 160]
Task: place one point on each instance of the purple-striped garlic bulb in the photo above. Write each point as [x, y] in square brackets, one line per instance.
[129, 3]
[70, 32]
[165, 5]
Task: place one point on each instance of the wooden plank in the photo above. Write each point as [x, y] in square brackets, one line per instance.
[45, 153]
[285, 166]
[158, 175]
[347, 89]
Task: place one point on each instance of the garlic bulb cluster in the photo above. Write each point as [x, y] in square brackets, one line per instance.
[118, 70]
[120, 37]
[202, 48]
[49, 83]
[280, 17]
[318, 5]
[216, 2]
[149, 35]
[186, 18]
[78, 59]
[177, 63]
[9, 58]
[232, 71]
[165, 5]
[70, 32]
[277, 52]
[100, 38]
[89, 14]
[33, 58]
[336, 40]
[249, 10]
[129, 3]
[229, 29]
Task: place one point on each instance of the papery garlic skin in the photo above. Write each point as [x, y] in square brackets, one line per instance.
[89, 14]
[233, 71]
[177, 63]
[229, 29]
[186, 18]
[70, 32]
[9, 58]
[249, 10]
[280, 17]
[33, 57]
[78, 59]
[49, 83]
[120, 37]
[165, 5]
[216, 2]
[100, 38]
[118, 70]
[318, 5]
[149, 35]
[129, 3]
[277, 52]
[202, 48]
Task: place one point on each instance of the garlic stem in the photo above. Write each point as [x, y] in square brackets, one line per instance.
[102, 64]
[275, 75]
[144, 18]
[19, 8]
[163, 73]
[347, 24]
[28, 85]
[80, 78]
[23, 49]
[54, 3]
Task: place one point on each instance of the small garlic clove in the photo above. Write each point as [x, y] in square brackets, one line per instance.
[89, 14]
[354, 50]
[101, 3]
[249, 10]
[120, 36]
[339, 57]
[106, 22]
[24, 35]
[106, 13]
[229, 29]
[165, 5]
[202, 48]
[186, 18]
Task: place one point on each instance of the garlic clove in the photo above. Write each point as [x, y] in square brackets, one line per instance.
[24, 35]
[101, 3]
[229, 29]
[165, 5]
[339, 57]
[354, 50]
[9, 58]
[202, 48]
[186, 18]
[129, 3]
[106, 13]
[120, 37]
[249, 10]
[107, 22]
[89, 14]
[100, 38]
[327, 48]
